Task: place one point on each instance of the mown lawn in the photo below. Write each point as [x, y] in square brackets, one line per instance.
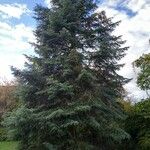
[8, 145]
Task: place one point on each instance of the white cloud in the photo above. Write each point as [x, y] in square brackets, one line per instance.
[111, 3]
[48, 3]
[13, 10]
[14, 42]
[9, 60]
[136, 5]
[15, 38]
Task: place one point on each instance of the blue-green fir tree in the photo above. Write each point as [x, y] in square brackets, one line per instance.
[69, 89]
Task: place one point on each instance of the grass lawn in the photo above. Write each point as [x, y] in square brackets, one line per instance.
[8, 145]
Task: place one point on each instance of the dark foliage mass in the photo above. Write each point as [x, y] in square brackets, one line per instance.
[137, 125]
[70, 87]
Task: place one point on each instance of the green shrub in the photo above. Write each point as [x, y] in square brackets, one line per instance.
[3, 136]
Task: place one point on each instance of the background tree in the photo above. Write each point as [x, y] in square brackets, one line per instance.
[70, 89]
[143, 80]
[137, 124]
[8, 100]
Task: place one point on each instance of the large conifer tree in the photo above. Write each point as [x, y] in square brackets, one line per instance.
[70, 88]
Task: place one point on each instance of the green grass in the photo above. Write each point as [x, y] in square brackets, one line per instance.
[8, 145]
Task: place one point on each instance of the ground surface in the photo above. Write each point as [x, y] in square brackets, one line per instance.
[8, 145]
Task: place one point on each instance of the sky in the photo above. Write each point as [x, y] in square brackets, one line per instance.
[17, 26]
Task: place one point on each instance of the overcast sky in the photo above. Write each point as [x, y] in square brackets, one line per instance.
[17, 24]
